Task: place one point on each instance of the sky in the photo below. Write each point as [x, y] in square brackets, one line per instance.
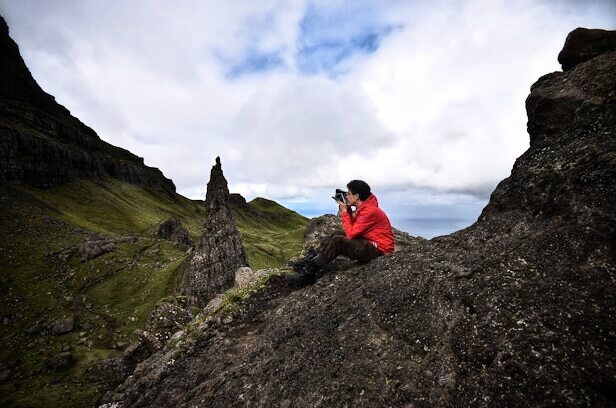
[424, 100]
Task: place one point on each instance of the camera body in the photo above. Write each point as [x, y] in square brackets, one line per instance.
[340, 195]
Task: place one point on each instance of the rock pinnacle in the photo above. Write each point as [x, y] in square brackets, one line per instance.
[219, 252]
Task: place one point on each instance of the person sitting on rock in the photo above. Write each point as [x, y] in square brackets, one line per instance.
[367, 235]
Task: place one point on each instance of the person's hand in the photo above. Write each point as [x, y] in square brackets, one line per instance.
[342, 207]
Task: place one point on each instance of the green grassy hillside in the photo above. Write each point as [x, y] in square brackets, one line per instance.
[44, 277]
[272, 233]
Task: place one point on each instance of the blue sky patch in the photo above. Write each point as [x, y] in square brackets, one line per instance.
[325, 56]
[253, 62]
[327, 36]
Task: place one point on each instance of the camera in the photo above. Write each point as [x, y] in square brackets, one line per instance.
[340, 195]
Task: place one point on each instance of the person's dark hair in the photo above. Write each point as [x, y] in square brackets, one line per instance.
[359, 187]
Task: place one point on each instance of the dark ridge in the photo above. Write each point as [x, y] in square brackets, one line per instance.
[43, 145]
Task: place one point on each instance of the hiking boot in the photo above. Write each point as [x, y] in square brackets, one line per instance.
[307, 274]
[301, 278]
[298, 264]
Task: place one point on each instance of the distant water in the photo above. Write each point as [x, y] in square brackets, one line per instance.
[431, 227]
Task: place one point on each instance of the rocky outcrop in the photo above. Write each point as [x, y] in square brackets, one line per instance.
[43, 145]
[583, 44]
[558, 101]
[236, 200]
[95, 247]
[219, 252]
[516, 310]
[173, 230]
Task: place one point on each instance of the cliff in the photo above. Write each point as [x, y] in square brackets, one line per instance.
[516, 310]
[43, 145]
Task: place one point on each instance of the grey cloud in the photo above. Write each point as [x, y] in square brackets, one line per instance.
[290, 132]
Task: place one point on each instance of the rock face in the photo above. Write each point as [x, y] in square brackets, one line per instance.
[517, 310]
[219, 252]
[583, 44]
[43, 145]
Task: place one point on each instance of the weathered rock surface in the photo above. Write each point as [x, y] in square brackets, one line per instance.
[169, 317]
[5, 373]
[219, 252]
[173, 230]
[63, 326]
[246, 277]
[95, 247]
[517, 310]
[583, 44]
[43, 145]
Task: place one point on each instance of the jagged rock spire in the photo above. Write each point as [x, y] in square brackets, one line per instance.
[219, 252]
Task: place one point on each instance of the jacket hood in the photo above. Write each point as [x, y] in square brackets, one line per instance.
[371, 201]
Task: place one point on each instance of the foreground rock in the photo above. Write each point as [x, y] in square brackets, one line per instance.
[220, 252]
[517, 310]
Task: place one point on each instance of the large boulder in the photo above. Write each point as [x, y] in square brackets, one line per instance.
[169, 317]
[63, 326]
[559, 100]
[583, 44]
[173, 230]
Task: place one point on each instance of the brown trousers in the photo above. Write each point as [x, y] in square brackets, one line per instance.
[359, 249]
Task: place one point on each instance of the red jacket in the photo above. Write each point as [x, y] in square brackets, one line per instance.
[370, 222]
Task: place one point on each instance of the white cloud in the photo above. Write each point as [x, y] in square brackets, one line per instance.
[438, 106]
